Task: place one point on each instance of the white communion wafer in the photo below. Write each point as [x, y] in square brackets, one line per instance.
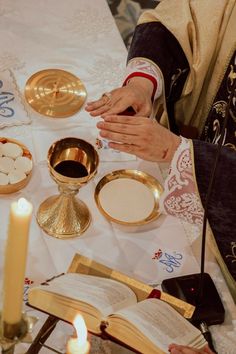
[23, 164]
[4, 179]
[16, 176]
[12, 150]
[6, 164]
[127, 200]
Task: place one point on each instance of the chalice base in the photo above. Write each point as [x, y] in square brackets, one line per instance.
[63, 216]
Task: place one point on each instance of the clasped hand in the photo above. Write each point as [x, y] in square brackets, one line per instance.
[136, 94]
[138, 134]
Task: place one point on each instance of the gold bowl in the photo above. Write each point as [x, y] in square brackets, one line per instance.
[129, 197]
[84, 160]
[12, 188]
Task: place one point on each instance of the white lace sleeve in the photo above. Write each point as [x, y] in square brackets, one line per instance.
[180, 197]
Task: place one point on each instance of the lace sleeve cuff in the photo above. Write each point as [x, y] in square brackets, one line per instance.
[145, 68]
[180, 197]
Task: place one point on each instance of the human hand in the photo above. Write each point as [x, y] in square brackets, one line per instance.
[140, 136]
[181, 349]
[136, 94]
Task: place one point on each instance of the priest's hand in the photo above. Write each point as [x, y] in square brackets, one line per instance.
[137, 94]
[140, 136]
[181, 349]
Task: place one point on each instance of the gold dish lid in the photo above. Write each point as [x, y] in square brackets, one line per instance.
[55, 93]
[129, 197]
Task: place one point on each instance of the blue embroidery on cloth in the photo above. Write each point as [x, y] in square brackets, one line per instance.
[171, 261]
[5, 98]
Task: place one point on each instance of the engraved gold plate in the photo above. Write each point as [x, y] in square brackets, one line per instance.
[55, 93]
[129, 197]
[14, 187]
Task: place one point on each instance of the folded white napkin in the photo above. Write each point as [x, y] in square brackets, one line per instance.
[12, 109]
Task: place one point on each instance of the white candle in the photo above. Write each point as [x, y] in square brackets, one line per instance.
[15, 260]
[79, 345]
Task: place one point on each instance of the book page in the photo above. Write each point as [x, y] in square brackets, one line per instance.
[159, 322]
[105, 294]
[83, 265]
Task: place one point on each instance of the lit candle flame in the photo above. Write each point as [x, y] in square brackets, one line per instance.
[23, 206]
[79, 345]
[81, 330]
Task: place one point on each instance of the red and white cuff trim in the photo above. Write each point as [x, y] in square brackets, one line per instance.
[144, 68]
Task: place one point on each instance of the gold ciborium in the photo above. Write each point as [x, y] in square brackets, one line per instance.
[72, 163]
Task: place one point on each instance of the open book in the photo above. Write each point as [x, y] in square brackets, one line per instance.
[111, 307]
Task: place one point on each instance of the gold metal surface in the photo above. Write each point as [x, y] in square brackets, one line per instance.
[12, 188]
[11, 334]
[64, 216]
[148, 180]
[55, 93]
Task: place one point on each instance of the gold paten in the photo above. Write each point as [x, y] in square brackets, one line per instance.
[55, 93]
[149, 181]
[65, 216]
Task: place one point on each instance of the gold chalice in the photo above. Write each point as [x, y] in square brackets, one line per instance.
[72, 163]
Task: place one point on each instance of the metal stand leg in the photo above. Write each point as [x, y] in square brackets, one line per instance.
[43, 335]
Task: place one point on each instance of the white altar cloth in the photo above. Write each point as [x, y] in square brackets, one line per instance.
[80, 36]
